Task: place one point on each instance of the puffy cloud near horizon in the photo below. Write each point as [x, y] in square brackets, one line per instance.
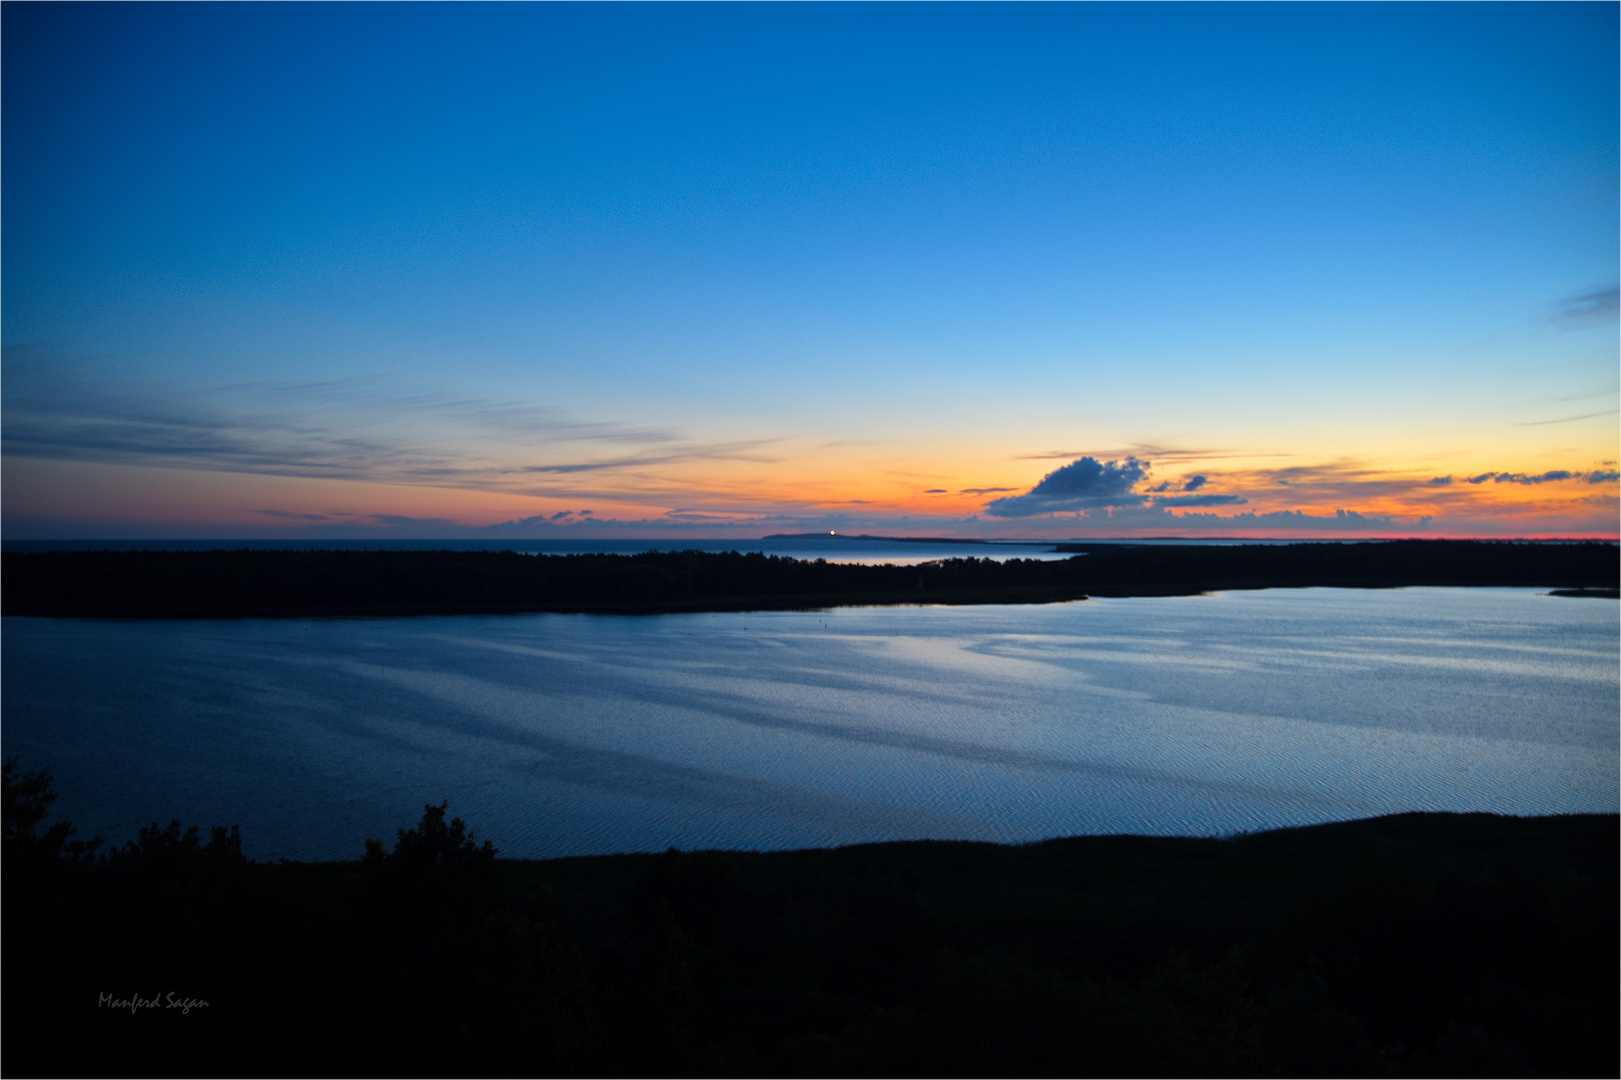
[1089, 484]
[1084, 484]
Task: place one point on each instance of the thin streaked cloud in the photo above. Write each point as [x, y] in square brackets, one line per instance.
[1566, 419]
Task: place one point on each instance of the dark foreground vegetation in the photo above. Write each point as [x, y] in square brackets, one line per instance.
[1416, 945]
[306, 583]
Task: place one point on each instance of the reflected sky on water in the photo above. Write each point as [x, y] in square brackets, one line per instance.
[570, 734]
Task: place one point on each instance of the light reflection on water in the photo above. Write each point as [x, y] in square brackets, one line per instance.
[568, 734]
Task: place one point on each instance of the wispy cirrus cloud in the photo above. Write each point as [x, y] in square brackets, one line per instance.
[1351, 483]
[1199, 500]
[290, 516]
[363, 429]
[1592, 308]
[1566, 419]
[743, 450]
[1153, 452]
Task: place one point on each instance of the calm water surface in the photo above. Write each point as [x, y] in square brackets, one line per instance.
[571, 734]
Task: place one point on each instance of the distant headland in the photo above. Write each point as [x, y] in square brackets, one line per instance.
[268, 583]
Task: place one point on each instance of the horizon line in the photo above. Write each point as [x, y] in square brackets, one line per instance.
[1012, 541]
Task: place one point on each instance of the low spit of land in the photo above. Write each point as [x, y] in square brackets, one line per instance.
[226, 583]
[1414, 945]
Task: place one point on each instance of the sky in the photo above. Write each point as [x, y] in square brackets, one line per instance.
[1045, 271]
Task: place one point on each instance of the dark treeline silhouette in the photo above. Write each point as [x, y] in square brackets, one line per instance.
[1415, 945]
[297, 583]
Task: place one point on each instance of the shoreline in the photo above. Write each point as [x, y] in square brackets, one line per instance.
[326, 583]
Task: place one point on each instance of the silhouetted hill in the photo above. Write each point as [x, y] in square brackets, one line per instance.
[304, 583]
[1414, 945]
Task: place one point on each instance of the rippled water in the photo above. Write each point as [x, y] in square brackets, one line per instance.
[566, 734]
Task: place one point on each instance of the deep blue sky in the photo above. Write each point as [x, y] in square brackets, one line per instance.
[958, 235]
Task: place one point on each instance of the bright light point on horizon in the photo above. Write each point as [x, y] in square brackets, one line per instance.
[973, 271]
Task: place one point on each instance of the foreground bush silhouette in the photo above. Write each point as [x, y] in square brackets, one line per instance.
[28, 799]
[1423, 944]
[433, 850]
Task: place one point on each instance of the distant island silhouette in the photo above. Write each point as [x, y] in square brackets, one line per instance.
[224, 583]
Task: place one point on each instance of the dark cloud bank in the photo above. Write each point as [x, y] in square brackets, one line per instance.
[1090, 484]
[1596, 476]
[1122, 488]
